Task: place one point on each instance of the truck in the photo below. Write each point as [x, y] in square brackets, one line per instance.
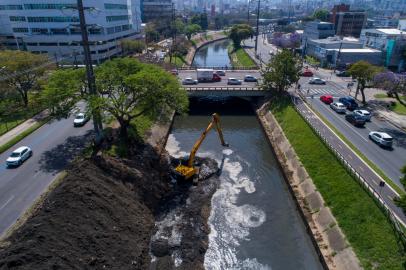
[207, 75]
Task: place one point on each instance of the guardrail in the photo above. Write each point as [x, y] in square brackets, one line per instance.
[223, 89]
[218, 68]
[396, 224]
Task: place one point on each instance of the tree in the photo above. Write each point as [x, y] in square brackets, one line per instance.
[132, 89]
[321, 14]
[63, 90]
[282, 71]
[132, 46]
[364, 72]
[240, 32]
[192, 29]
[394, 83]
[151, 34]
[200, 19]
[22, 71]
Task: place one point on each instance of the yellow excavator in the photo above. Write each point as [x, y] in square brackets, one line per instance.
[188, 171]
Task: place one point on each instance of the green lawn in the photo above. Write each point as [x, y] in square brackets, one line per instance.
[240, 58]
[16, 118]
[397, 108]
[364, 224]
[176, 61]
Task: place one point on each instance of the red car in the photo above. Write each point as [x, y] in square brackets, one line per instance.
[327, 99]
[307, 73]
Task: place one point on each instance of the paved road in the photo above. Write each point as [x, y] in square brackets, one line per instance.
[54, 145]
[229, 74]
[387, 194]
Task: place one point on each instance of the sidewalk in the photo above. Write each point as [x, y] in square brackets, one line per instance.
[11, 134]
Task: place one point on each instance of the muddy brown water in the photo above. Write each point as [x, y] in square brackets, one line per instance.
[254, 222]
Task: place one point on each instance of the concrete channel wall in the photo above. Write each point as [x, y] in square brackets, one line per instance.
[332, 247]
[192, 51]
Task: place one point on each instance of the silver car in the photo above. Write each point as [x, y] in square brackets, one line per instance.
[317, 81]
[220, 72]
[18, 156]
[381, 138]
[364, 114]
[338, 107]
[234, 81]
[189, 81]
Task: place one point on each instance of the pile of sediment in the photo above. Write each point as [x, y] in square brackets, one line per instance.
[104, 214]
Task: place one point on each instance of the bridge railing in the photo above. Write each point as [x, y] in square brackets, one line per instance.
[219, 68]
[190, 89]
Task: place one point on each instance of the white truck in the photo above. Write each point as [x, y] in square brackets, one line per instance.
[207, 75]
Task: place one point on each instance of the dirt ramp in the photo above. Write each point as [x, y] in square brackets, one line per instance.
[97, 218]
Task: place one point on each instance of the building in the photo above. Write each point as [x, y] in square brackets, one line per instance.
[382, 22]
[53, 28]
[156, 10]
[346, 22]
[318, 30]
[402, 24]
[391, 41]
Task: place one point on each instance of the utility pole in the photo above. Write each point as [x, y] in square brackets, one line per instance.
[248, 12]
[338, 56]
[173, 34]
[257, 31]
[98, 126]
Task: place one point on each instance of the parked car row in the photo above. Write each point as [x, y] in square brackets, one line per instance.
[357, 117]
[230, 81]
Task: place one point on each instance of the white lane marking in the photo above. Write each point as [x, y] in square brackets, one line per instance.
[9, 200]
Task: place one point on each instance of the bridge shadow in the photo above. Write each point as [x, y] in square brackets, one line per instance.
[61, 155]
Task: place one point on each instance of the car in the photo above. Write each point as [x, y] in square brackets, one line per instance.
[338, 107]
[234, 81]
[307, 73]
[18, 156]
[250, 78]
[80, 120]
[364, 113]
[349, 102]
[355, 119]
[189, 81]
[174, 72]
[220, 72]
[317, 81]
[381, 138]
[342, 73]
[327, 99]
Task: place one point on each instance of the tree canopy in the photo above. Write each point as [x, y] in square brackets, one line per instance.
[240, 32]
[394, 83]
[321, 14]
[282, 71]
[21, 71]
[192, 29]
[200, 19]
[364, 72]
[132, 46]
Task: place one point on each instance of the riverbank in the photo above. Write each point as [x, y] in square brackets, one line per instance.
[240, 58]
[365, 226]
[200, 42]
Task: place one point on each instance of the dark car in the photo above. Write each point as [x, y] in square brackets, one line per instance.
[343, 73]
[355, 119]
[349, 102]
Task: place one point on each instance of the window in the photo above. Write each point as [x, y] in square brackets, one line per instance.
[39, 30]
[17, 19]
[48, 44]
[52, 19]
[20, 30]
[59, 31]
[115, 6]
[75, 31]
[48, 6]
[11, 7]
[95, 31]
[32, 44]
[118, 18]
[63, 44]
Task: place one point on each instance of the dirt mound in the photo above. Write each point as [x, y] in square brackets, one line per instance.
[104, 213]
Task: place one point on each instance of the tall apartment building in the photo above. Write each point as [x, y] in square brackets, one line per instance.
[346, 22]
[156, 10]
[51, 27]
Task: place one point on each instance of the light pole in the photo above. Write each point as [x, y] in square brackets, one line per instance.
[257, 31]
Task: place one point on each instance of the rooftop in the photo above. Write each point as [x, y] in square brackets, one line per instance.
[364, 50]
[336, 39]
[391, 31]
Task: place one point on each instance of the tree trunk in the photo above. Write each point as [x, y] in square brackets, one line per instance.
[363, 94]
[399, 99]
[25, 98]
[124, 130]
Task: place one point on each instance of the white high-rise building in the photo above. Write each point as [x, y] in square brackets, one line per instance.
[51, 27]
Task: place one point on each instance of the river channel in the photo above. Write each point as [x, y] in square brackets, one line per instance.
[254, 223]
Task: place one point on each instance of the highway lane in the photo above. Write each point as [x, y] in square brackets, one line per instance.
[54, 145]
[238, 74]
[389, 161]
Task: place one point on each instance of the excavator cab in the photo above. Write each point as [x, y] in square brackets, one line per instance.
[188, 171]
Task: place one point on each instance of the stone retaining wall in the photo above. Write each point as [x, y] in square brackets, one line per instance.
[330, 243]
[191, 53]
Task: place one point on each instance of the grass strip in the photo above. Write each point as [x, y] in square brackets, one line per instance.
[361, 155]
[240, 58]
[22, 135]
[177, 61]
[365, 225]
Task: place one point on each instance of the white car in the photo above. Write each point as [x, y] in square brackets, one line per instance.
[250, 78]
[18, 156]
[189, 81]
[381, 138]
[220, 72]
[80, 120]
[234, 81]
[317, 81]
[338, 107]
[364, 114]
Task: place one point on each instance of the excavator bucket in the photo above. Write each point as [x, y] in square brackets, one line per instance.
[185, 171]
